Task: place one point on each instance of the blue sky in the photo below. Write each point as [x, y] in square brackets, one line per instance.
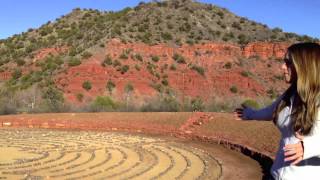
[298, 16]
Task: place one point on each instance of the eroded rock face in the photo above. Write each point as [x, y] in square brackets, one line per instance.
[253, 79]
[185, 81]
[265, 50]
[5, 76]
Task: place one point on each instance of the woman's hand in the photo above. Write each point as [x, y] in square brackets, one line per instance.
[238, 113]
[294, 152]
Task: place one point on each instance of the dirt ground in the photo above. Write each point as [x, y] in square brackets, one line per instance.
[183, 128]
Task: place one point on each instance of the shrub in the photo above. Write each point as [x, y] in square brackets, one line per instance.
[246, 73]
[123, 55]
[228, 65]
[103, 103]
[228, 36]
[53, 99]
[20, 62]
[86, 55]
[242, 39]
[197, 104]
[173, 67]
[73, 61]
[166, 36]
[155, 58]
[107, 61]
[16, 74]
[271, 92]
[157, 87]
[128, 88]
[138, 57]
[178, 58]
[124, 69]
[116, 63]
[236, 25]
[137, 67]
[86, 85]
[251, 103]
[199, 69]
[110, 86]
[79, 97]
[221, 14]
[165, 82]
[234, 89]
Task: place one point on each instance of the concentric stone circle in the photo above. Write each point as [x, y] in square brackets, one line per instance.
[47, 154]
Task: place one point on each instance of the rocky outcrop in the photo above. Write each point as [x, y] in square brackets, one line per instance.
[42, 53]
[5, 76]
[185, 81]
[265, 50]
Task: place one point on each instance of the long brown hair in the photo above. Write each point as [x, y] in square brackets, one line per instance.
[305, 89]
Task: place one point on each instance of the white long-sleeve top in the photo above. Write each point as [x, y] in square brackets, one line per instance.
[309, 167]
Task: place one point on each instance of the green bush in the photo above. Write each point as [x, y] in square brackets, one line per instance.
[155, 58]
[86, 85]
[173, 67]
[54, 100]
[128, 88]
[165, 82]
[73, 61]
[236, 25]
[234, 89]
[251, 103]
[242, 39]
[166, 36]
[116, 63]
[138, 57]
[228, 65]
[178, 58]
[16, 74]
[110, 86]
[124, 69]
[79, 97]
[197, 104]
[123, 55]
[162, 104]
[246, 73]
[199, 69]
[107, 61]
[20, 62]
[86, 55]
[103, 103]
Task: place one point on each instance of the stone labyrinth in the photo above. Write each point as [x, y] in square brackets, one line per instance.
[46, 154]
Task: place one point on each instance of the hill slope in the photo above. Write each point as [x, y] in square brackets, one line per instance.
[180, 52]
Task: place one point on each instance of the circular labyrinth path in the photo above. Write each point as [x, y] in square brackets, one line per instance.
[45, 154]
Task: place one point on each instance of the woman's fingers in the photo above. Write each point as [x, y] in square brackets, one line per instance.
[293, 152]
[289, 153]
[238, 114]
[296, 161]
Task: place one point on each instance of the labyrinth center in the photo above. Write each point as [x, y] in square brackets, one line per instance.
[45, 154]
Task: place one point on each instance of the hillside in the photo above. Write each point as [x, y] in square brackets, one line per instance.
[169, 55]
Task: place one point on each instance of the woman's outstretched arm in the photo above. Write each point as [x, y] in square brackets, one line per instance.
[247, 113]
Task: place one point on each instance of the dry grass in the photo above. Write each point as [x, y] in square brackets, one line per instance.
[261, 135]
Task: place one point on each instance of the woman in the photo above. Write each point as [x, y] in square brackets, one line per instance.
[297, 115]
